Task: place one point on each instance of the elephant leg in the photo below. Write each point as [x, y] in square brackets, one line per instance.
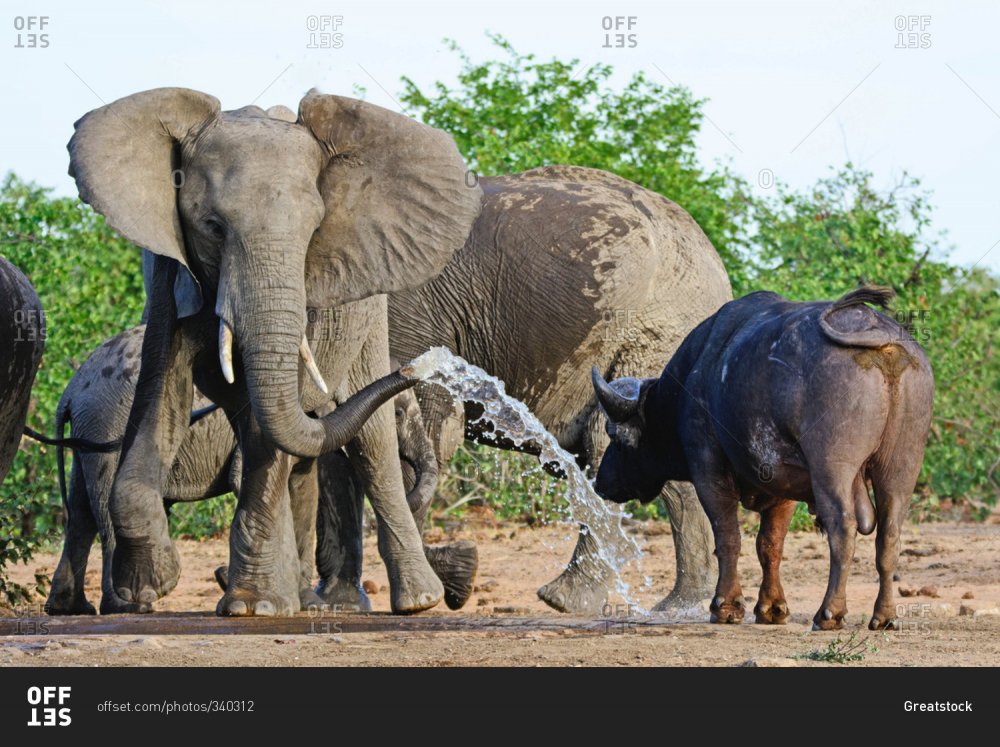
[582, 587]
[693, 542]
[265, 574]
[145, 564]
[339, 528]
[374, 453]
[303, 491]
[66, 596]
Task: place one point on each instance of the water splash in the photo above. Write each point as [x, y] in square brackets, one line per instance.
[602, 519]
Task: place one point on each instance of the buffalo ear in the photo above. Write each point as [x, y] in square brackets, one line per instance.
[399, 201]
[125, 158]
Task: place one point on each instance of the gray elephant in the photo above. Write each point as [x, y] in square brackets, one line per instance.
[22, 325]
[96, 403]
[260, 224]
[566, 265]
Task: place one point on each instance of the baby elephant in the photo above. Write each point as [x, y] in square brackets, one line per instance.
[769, 402]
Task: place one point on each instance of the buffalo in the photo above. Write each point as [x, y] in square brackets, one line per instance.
[768, 402]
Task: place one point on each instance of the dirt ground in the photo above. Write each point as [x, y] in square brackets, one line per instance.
[953, 618]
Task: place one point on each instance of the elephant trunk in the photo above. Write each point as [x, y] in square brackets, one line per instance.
[417, 451]
[270, 342]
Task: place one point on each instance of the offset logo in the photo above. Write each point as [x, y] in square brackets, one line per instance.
[49, 706]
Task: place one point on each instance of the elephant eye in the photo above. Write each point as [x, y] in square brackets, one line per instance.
[215, 228]
[399, 413]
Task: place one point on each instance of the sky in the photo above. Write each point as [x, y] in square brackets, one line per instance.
[793, 88]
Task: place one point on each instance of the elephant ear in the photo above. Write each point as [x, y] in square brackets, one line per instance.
[125, 158]
[398, 197]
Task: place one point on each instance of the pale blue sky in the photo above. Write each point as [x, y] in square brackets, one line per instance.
[794, 86]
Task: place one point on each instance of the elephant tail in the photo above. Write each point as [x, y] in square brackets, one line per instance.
[62, 417]
[77, 444]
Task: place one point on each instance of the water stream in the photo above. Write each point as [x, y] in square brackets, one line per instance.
[512, 417]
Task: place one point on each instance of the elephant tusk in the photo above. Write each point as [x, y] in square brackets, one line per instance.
[226, 351]
[307, 355]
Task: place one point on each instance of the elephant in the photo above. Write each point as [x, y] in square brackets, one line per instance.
[22, 323]
[566, 265]
[96, 404]
[276, 237]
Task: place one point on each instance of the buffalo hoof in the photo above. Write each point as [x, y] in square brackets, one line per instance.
[883, 621]
[245, 603]
[456, 566]
[826, 619]
[144, 571]
[343, 596]
[727, 613]
[771, 613]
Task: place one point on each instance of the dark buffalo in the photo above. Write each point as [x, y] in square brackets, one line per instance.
[768, 402]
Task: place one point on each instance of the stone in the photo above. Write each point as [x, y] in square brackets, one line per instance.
[370, 587]
[770, 662]
[929, 591]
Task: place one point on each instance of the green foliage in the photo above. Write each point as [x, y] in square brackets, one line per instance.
[90, 284]
[202, 519]
[842, 650]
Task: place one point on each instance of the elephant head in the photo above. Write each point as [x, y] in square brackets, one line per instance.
[266, 215]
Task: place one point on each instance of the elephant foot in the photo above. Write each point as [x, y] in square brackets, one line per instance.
[582, 588]
[112, 604]
[456, 565]
[883, 619]
[60, 603]
[683, 597]
[413, 585]
[771, 612]
[222, 576]
[340, 595]
[727, 611]
[144, 571]
[310, 600]
[257, 603]
[829, 619]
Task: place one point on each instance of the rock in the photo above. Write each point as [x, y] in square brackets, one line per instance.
[487, 585]
[941, 609]
[978, 610]
[907, 591]
[147, 643]
[929, 591]
[896, 577]
[370, 587]
[968, 595]
[656, 528]
[770, 662]
[918, 552]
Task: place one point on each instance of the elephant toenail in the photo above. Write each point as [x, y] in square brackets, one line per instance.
[264, 608]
